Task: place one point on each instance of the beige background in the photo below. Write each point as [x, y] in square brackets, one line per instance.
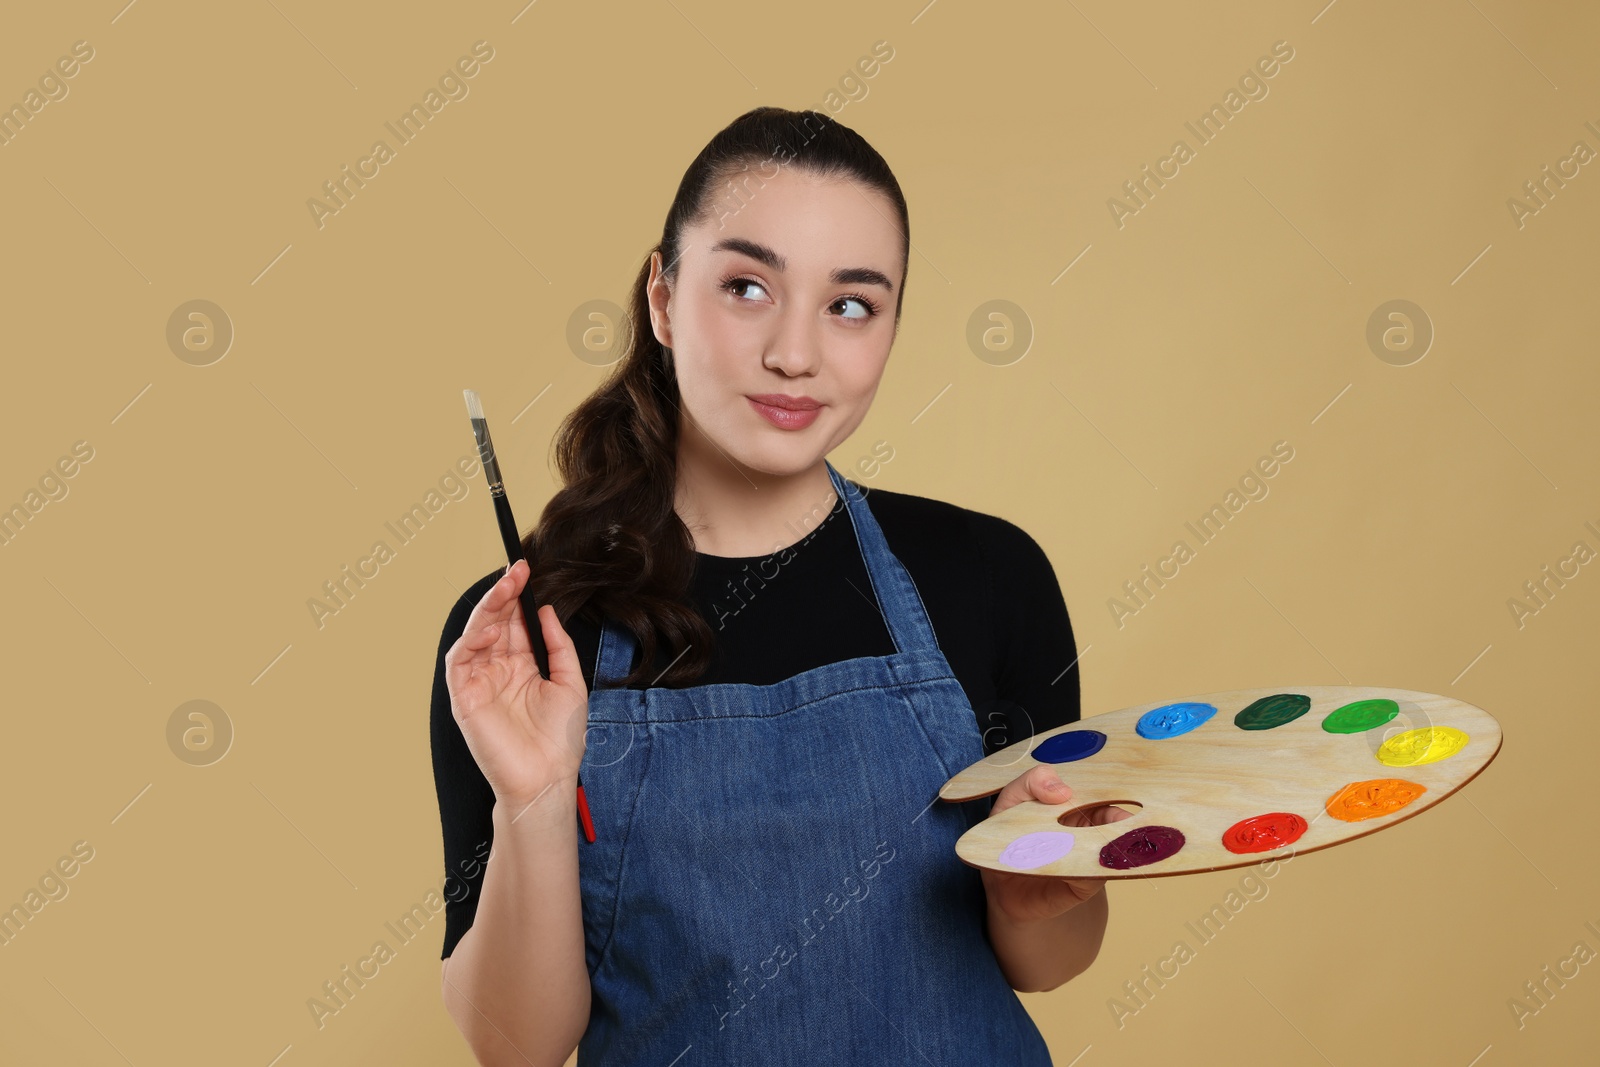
[1229, 313]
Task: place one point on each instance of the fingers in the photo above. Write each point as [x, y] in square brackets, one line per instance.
[496, 605]
[490, 621]
[520, 574]
[473, 640]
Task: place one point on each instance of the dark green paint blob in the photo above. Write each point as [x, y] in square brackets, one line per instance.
[1271, 711]
[1360, 716]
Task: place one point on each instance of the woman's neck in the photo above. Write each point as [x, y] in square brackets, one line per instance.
[732, 510]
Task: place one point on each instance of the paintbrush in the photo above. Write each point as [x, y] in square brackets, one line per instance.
[513, 546]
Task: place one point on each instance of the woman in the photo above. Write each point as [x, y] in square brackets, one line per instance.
[752, 687]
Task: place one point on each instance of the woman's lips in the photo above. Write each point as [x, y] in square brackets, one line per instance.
[787, 418]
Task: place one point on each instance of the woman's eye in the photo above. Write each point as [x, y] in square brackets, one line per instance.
[740, 286]
[867, 310]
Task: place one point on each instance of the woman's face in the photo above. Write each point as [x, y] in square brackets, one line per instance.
[788, 292]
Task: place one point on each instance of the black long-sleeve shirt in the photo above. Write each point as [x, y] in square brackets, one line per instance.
[991, 595]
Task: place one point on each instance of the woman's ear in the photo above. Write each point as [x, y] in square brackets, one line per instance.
[659, 292]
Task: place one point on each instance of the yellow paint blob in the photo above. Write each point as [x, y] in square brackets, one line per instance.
[1428, 744]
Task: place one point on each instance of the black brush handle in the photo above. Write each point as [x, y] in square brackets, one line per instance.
[530, 609]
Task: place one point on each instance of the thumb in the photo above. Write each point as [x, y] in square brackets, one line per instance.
[1038, 784]
[565, 670]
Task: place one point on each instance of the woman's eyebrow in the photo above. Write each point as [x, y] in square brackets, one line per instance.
[841, 275]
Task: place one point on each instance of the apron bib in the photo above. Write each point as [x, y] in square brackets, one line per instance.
[773, 880]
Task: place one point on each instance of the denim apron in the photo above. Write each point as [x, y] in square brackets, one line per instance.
[773, 880]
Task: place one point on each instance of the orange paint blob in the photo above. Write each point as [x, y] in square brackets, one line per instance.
[1370, 799]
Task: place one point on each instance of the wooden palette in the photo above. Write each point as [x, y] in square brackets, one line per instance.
[1266, 772]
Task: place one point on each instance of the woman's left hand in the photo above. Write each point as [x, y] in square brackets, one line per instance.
[1029, 897]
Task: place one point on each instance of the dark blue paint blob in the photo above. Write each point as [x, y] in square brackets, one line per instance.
[1173, 719]
[1070, 746]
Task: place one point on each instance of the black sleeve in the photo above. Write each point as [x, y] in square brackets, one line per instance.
[466, 801]
[1036, 657]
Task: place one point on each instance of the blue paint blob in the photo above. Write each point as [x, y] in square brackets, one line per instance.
[1173, 719]
[1070, 746]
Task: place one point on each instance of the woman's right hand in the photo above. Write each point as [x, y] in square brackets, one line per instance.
[526, 732]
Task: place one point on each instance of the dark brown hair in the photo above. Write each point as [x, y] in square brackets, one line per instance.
[609, 543]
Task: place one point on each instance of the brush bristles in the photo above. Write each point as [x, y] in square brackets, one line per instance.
[474, 407]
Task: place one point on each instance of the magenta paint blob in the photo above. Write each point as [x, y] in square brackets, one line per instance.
[1141, 847]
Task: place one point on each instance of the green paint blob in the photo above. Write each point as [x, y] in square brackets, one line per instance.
[1360, 716]
[1271, 711]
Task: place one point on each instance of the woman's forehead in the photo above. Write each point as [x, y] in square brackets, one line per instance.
[790, 193]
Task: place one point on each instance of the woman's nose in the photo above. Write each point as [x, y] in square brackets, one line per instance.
[795, 347]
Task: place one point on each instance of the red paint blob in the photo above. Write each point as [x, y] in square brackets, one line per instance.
[1263, 833]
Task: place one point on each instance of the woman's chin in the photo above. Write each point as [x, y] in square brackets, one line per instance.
[787, 461]
[763, 449]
